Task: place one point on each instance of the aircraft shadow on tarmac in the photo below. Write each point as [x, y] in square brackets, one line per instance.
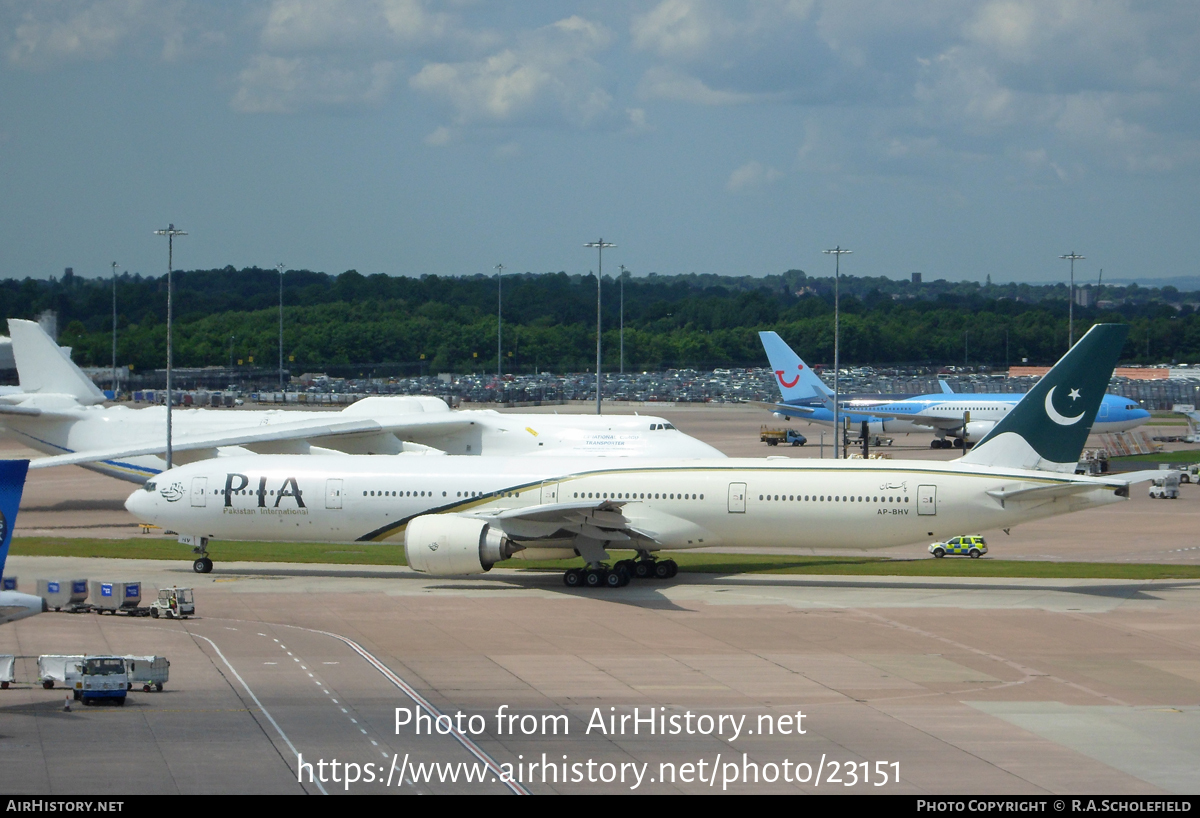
[81, 505]
[644, 593]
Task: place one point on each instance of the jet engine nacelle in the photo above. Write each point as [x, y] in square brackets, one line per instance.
[447, 545]
[976, 429]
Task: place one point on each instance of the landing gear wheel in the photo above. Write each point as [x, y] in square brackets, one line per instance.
[674, 568]
[974, 553]
[935, 443]
[958, 444]
[573, 577]
[616, 579]
[203, 565]
[643, 569]
[593, 578]
[662, 570]
[941, 552]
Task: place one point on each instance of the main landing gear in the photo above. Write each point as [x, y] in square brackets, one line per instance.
[598, 575]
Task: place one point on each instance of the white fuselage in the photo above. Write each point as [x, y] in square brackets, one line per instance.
[86, 428]
[732, 502]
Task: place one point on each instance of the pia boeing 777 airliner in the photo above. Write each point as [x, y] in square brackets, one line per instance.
[464, 515]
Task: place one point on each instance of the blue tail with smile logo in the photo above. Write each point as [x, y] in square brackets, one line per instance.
[1048, 428]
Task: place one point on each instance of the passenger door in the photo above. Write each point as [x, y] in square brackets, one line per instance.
[199, 492]
[927, 500]
[737, 498]
[333, 492]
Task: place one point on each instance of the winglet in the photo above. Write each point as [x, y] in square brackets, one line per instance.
[796, 381]
[43, 368]
[1048, 428]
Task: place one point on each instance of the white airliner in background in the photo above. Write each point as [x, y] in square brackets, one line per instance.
[58, 412]
[462, 516]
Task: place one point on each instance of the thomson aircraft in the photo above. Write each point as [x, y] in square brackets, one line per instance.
[954, 418]
[13, 605]
[458, 516]
[58, 412]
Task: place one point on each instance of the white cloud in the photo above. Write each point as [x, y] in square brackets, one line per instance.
[751, 176]
[322, 25]
[286, 85]
[551, 73]
[663, 82]
[440, 136]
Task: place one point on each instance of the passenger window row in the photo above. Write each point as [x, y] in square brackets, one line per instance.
[590, 495]
[831, 498]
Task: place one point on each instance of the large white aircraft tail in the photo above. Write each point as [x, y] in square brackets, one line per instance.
[44, 369]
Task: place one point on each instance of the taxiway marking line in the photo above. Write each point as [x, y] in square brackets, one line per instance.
[264, 710]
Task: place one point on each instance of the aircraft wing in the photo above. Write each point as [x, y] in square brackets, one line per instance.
[601, 521]
[787, 408]
[273, 433]
[33, 411]
[946, 421]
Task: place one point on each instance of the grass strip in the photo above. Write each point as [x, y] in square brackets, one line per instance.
[149, 548]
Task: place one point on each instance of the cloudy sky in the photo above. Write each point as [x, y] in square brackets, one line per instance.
[412, 136]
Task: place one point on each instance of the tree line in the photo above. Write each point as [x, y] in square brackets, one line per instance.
[434, 323]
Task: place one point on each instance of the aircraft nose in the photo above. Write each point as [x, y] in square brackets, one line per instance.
[141, 505]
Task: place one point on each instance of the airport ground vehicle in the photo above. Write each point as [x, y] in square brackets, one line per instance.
[89, 678]
[773, 437]
[1166, 487]
[1190, 473]
[148, 671]
[966, 545]
[100, 678]
[173, 603]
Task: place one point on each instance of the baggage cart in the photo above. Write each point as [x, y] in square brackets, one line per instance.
[55, 668]
[63, 593]
[148, 671]
[7, 662]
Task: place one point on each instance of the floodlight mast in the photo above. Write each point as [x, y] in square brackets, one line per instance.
[170, 232]
[114, 338]
[599, 245]
[1071, 302]
[837, 254]
[499, 316]
[279, 267]
[623, 273]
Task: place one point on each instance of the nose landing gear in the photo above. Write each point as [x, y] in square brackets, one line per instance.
[202, 565]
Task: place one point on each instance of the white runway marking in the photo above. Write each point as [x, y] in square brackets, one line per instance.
[259, 704]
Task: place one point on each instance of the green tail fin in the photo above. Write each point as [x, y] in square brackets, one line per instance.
[1048, 428]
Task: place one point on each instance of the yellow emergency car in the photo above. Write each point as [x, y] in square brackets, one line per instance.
[967, 545]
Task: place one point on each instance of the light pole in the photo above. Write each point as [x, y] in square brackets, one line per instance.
[170, 232]
[279, 267]
[499, 315]
[114, 345]
[837, 254]
[623, 271]
[599, 245]
[231, 337]
[1071, 304]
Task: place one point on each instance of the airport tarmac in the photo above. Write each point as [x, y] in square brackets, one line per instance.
[970, 686]
[1007, 686]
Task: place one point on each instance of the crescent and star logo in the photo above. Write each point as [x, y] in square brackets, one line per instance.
[433, 546]
[1053, 413]
[788, 384]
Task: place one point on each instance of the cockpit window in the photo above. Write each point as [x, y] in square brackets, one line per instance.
[150, 486]
[667, 426]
